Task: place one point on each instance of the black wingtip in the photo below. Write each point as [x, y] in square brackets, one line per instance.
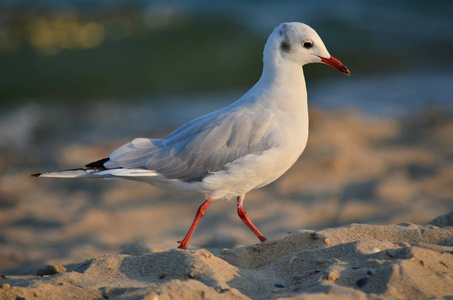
[35, 175]
[99, 164]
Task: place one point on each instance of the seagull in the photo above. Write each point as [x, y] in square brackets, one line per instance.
[232, 151]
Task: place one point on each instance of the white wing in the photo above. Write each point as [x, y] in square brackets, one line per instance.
[199, 147]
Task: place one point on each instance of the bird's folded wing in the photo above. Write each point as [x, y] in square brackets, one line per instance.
[199, 147]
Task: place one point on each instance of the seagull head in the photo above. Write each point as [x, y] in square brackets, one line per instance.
[299, 43]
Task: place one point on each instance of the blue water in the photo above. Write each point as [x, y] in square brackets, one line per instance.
[387, 95]
[402, 49]
[382, 96]
[399, 53]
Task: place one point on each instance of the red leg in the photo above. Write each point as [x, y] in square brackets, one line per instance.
[200, 213]
[243, 215]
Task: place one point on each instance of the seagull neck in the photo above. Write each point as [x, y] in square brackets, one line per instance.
[283, 73]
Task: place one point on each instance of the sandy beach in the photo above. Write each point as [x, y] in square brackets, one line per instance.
[348, 221]
[358, 261]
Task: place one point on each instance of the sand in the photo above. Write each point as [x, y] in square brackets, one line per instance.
[340, 223]
[358, 261]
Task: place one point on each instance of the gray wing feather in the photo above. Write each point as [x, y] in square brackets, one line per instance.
[197, 148]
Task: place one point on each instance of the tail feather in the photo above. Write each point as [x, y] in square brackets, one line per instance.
[68, 173]
[98, 173]
[88, 170]
[98, 170]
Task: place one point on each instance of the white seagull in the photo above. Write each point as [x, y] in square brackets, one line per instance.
[234, 150]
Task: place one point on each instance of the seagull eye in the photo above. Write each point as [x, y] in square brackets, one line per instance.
[307, 45]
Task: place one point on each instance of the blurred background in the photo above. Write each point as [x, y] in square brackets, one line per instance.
[80, 78]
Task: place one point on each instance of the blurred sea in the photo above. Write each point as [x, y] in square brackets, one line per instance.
[196, 56]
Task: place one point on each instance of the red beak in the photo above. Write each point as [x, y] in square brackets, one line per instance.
[332, 61]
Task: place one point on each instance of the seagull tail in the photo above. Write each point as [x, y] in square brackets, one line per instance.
[132, 174]
[88, 171]
[68, 173]
[97, 170]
